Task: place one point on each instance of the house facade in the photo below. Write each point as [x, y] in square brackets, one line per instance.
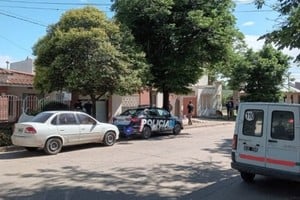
[18, 83]
[14, 87]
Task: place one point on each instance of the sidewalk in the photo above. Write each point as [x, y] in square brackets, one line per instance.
[204, 122]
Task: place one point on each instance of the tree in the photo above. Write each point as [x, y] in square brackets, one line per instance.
[87, 53]
[180, 38]
[260, 74]
[287, 34]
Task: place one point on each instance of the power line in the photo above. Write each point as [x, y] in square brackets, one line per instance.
[15, 44]
[23, 19]
[55, 3]
[33, 8]
[256, 11]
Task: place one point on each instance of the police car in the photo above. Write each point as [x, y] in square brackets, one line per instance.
[144, 121]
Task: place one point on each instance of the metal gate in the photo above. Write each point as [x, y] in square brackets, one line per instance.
[11, 107]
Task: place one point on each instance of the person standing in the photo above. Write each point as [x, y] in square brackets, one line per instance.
[78, 105]
[88, 107]
[190, 108]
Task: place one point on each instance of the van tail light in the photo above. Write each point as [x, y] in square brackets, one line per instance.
[234, 142]
[30, 130]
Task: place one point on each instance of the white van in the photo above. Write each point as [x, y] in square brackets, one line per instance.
[267, 141]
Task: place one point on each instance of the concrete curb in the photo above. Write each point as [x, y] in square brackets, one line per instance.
[11, 148]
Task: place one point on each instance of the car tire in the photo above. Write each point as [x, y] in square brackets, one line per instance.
[177, 129]
[31, 149]
[53, 146]
[247, 177]
[146, 132]
[109, 138]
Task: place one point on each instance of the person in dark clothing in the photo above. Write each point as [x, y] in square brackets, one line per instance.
[229, 107]
[88, 107]
[190, 108]
[78, 105]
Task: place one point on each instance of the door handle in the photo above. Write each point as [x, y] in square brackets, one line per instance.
[273, 141]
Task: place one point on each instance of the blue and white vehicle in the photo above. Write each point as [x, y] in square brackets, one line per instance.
[144, 121]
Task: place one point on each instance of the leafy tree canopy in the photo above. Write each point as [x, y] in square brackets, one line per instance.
[180, 37]
[260, 74]
[87, 53]
[287, 34]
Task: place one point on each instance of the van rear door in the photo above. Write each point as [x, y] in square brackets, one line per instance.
[282, 143]
[251, 134]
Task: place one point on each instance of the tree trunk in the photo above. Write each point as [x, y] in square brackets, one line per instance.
[93, 99]
[166, 100]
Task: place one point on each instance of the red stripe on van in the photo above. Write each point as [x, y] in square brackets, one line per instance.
[268, 160]
[249, 157]
[281, 162]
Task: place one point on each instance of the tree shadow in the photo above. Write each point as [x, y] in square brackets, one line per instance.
[223, 147]
[164, 181]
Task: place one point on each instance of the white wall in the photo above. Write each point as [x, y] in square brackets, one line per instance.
[23, 66]
[116, 105]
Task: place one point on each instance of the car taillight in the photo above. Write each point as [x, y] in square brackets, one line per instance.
[134, 119]
[30, 130]
[234, 142]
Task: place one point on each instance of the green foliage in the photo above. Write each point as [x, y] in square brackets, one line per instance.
[54, 105]
[260, 74]
[180, 38]
[287, 34]
[87, 53]
[5, 134]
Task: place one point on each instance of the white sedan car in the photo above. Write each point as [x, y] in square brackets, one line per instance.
[51, 130]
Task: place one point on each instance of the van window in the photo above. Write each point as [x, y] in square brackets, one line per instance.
[253, 122]
[282, 125]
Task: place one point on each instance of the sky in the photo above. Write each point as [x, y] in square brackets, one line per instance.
[24, 22]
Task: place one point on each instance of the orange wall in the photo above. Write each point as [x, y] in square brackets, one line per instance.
[144, 98]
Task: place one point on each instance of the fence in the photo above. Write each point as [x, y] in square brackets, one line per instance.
[11, 107]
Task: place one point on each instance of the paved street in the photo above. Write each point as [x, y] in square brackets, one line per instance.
[192, 165]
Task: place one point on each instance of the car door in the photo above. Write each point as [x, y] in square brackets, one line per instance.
[282, 151]
[167, 122]
[68, 128]
[251, 135]
[90, 130]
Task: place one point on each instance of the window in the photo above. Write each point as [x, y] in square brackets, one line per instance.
[67, 118]
[253, 123]
[84, 119]
[282, 125]
[163, 113]
[42, 117]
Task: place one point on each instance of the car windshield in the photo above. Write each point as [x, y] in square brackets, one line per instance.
[41, 117]
[132, 112]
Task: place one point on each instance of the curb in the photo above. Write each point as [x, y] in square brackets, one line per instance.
[11, 148]
[206, 124]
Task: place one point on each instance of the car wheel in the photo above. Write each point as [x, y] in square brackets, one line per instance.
[146, 133]
[176, 129]
[53, 146]
[247, 177]
[31, 148]
[109, 138]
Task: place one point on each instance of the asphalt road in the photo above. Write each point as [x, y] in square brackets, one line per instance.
[192, 165]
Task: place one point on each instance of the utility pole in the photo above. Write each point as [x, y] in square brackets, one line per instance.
[7, 63]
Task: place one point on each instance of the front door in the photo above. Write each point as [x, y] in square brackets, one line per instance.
[68, 128]
[252, 135]
[282, 150]
[89, 131]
